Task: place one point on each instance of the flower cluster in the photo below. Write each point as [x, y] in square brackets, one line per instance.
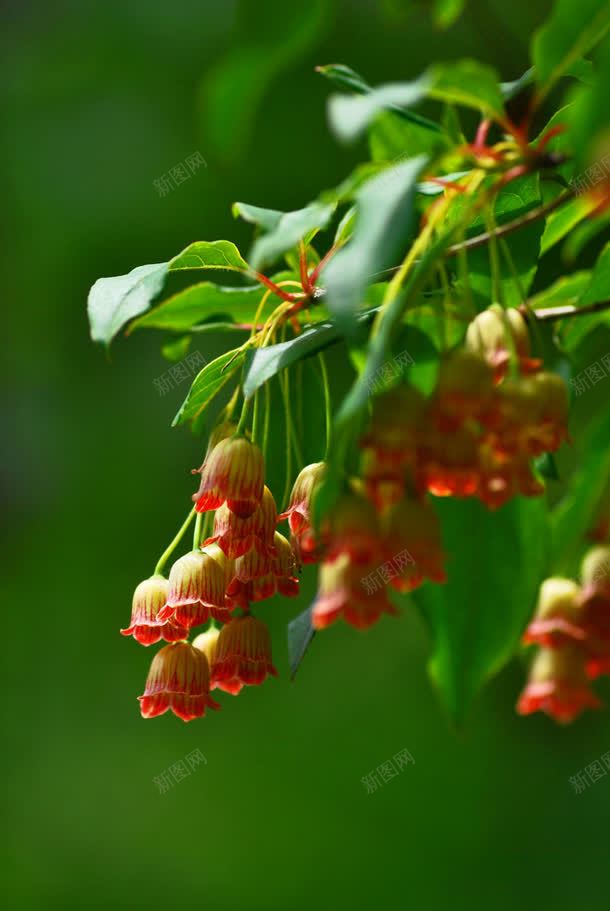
[571, 628]
[493, 410]
[244, 560]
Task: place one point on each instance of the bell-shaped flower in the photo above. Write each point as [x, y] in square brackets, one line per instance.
[232, 473]
[558, 685]
[179, 679]
[559, 615]
[355, 592]
[149, 599]
[243, 655]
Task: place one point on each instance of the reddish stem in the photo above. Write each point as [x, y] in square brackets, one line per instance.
[483, 152]
[512, 174]
[307, 288]
[285, 295]
[550, 134]
[325, 259]
[481, 135]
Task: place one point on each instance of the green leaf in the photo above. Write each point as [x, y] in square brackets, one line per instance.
[570, 33]
[267, 38]
[588, 124]
[574, 331]
[263, 363]
[289, 230]
[599, 289]
[346, 191]
[176, 349]
[112, 302]
[346, 78]
[510, 90]
[350, 115]
[563, 220]
[574, 515]
[268, 219]
[350, 413]
[583, 235]
[494, 571]
[345, 227]
[208, 383]
[446, 12]
[465, 82]
[582, 70]
[468, 83]
[300, 636]
[384, 218]
[564, 291]
[203, 301]
[391, 137]
[216, 254]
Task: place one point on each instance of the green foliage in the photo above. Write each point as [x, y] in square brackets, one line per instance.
[114, 301]
[208, 383]
[300, 637]
[217, 254]
[234, 90]
[264, 363]
[350, 115]
[204, 301]
[447, 11]
[344, 77]
[574, 515]
[383, 220]
[468, 83]
[446, 219]
[288, 230]
[476, 619]
[570, 33]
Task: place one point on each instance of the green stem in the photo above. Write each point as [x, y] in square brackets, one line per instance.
[266, 418]
[197, 532]
[220, 327]
[299, 390]
[243, 416]
[288, 481]
[255, 418]
[328, 409]
[207, 526]
[293, 431]
[512, 269]
[441, 310]
[169, 551]
[465, 277]
[494, 260]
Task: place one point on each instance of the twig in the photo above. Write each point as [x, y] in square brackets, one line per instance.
[551, 313]
[473, 242]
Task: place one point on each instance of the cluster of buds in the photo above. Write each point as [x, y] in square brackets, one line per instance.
[493, 410]
[244, 560]
[571, 628]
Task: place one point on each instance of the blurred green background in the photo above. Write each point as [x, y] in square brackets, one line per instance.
[98, 101]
